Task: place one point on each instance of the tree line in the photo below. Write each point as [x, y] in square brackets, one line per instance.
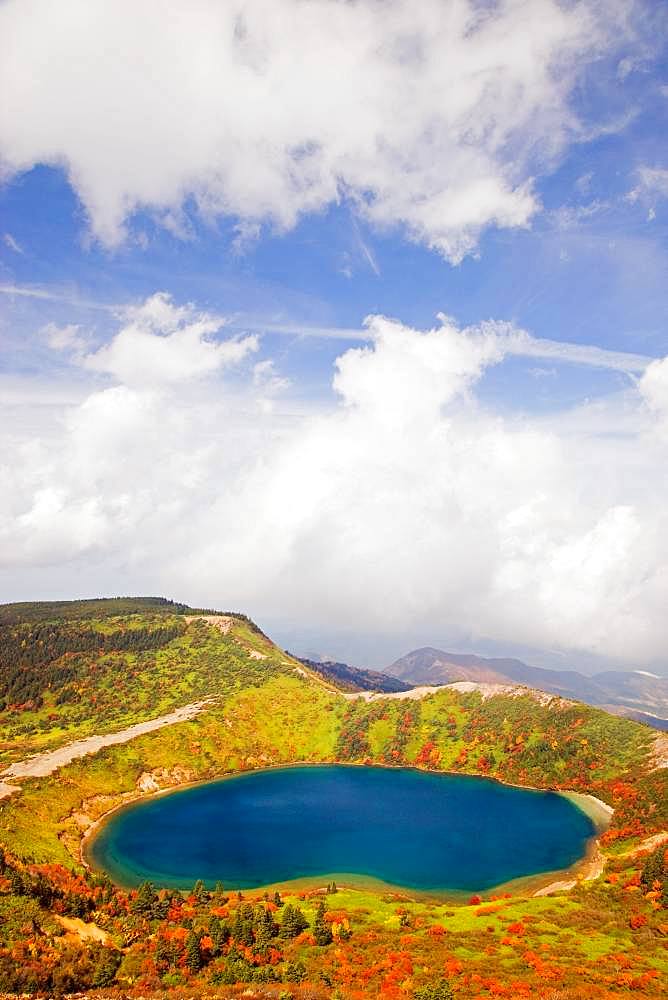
[37, 658]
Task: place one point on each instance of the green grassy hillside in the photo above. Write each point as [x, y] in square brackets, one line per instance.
[607, 937]
[68, 671]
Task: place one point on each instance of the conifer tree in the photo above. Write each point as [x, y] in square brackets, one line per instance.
[164, 952]
[654, 874]
[105, 969]
[17, 882]
[242, 929]
[265, 929]
[293, 923]
[437, 991]
[200, 891]
[146, 898]
[219, 932]
[193, 954]
[322, 932]
[295, 972]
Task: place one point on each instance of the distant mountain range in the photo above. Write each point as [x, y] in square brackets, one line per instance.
[635, 694]
[349, 678]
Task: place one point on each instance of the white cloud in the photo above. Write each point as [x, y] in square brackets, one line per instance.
[268, 383]
[654, 389]
[401, 380]
[64, 338]
[624, 67]
[404, 504]
[266, 378]
[162, 343]
[12, 243]
[365, 250]
[652, 184]
[246, 234]
[432, 116]
[49, 295]
[577, 354]
[584, 182]
[571, 216]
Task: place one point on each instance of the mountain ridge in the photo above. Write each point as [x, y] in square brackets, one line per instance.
[627, 691]
[353, 679]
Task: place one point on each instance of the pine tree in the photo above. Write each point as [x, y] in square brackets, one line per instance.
[105, 969]
[200, 891]
[655, 871]
[164, 952]
[219, 933]
[219, 895]
[265, 929]
[295, 972]
[437, 991]
[242, 929]
[193, 954]
[293, 923]
[322, 932]
[146, 899]
[17, 882]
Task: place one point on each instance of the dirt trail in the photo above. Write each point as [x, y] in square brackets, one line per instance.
[316, 679]
[659, 753]
[222, 622]
[83, 931]
[648, 844]
[41, 764]
[413, 694]
[464, 687]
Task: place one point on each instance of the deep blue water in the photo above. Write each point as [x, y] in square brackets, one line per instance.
[407, 828]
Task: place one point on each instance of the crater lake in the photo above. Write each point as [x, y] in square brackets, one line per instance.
[406, 828]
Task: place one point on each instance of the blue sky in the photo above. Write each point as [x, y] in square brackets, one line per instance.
[280, 198]
[591, 268]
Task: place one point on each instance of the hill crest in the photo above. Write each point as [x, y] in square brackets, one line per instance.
[627, 692]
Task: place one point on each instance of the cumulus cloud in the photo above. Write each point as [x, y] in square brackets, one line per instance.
[654, 387]
[162, 343]
[410, 379]
[432, 116]
[266, 377]
[405, 503]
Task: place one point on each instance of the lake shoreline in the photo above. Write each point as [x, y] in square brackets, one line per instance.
[588, 867]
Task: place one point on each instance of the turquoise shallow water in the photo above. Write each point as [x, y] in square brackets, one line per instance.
[430, 832]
